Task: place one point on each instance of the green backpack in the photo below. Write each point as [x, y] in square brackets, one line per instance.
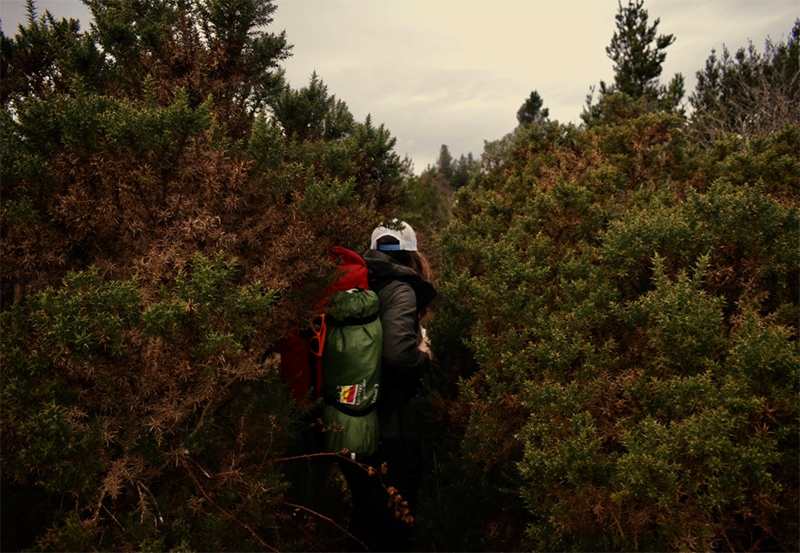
[351, 372]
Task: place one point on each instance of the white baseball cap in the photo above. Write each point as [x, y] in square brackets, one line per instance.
[402, 231]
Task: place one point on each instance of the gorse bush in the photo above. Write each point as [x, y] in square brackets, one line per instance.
[116, 404]
[631, 328]
[161, 232]
[616, 332]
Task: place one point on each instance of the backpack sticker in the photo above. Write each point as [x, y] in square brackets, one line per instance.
[348, 394]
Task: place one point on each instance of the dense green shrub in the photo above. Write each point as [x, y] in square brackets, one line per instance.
[161, 233]
[617, 335]
[114, 406]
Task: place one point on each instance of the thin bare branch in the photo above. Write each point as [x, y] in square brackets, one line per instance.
[224, 512]
[323, 517]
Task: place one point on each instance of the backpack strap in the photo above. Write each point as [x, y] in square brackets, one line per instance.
[351, 321]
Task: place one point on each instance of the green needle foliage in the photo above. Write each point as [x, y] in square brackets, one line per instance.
[747, 92]
[619, 313]
[111, 402]
[163, 227]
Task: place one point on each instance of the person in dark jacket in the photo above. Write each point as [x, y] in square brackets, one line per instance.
[400, 275]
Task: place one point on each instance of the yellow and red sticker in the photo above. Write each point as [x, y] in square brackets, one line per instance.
[348, 394]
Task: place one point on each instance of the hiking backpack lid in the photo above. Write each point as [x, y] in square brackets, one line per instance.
[300, 369]
[351, 273]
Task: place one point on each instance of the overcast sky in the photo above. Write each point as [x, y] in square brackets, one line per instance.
[455, 72]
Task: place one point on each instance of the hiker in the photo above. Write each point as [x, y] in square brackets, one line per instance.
[400, 275]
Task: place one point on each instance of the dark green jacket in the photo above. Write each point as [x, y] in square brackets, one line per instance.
[402, 294]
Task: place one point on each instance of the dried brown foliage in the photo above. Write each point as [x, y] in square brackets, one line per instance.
[159, 236]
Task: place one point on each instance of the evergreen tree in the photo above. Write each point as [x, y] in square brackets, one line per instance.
[465, 169]
[748, 93]
[444, 163]
[638, 53]
[426, 202]
[461, 172]
[311, 113]
[531, 110]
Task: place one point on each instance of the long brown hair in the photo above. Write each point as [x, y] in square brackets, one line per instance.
[416, 260]
[419, 263]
